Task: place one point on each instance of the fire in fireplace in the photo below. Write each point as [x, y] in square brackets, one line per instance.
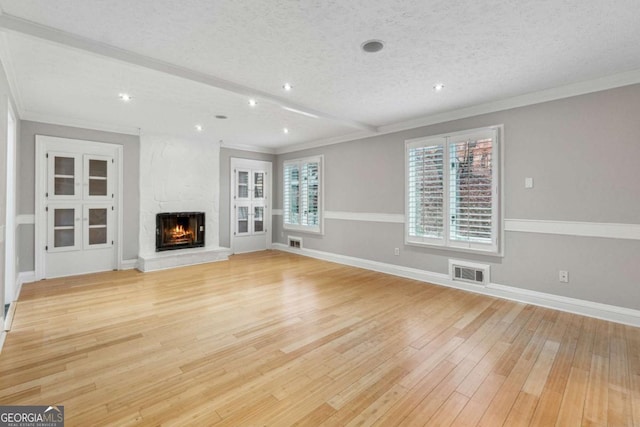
[179, 230]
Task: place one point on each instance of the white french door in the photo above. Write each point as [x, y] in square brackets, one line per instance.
[80, 207]
[250, 193]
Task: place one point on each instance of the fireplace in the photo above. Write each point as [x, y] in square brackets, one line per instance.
[179, 230]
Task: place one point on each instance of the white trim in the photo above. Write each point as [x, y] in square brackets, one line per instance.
[7, 64]
[251, 148]
[3, 336]
[11, 199]
[79, 123]
[607, 312]
[292, 148]
[365, 216]
[299, 162]
[8, 321]
[128, 264]
[445, 140]
[2, 228]
[553, 94]
[566, 228]
[120, 210]
[25, 219]
[24, 277]
[574, 228]
[251, 165]
[43, 144]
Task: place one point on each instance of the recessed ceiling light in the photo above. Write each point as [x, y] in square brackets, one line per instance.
[438, 87]
[125, 97]
[287, 87]
[221, 117]
[285, 130]
[253, 102]
[199, 128]
[372, 46]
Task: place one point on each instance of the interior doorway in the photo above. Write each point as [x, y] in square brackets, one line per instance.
[250, 192]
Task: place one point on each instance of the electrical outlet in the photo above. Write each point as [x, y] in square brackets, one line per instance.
[396, 251]
[563, 276]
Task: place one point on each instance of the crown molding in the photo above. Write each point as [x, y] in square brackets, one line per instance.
[252, 148]
[79, 123]
[561, 92]
[323, 142]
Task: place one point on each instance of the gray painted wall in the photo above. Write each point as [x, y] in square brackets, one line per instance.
[583, 153]
[225, 163]
[26, 182]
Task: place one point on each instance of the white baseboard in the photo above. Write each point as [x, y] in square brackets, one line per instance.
[129, 264]
[24, 277]
[3, 336]
[607, 312]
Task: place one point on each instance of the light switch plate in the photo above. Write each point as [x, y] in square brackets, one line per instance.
[528, 183]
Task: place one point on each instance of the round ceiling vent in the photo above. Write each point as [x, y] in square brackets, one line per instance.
[372, 46]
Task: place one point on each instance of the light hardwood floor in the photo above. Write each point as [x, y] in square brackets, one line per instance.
[277, 339]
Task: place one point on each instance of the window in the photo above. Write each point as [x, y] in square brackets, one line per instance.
[452, 191]
[303, 194]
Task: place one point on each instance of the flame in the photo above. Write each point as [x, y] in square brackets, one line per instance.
[179, 232]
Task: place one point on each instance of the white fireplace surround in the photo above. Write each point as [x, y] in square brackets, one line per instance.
[178, 175]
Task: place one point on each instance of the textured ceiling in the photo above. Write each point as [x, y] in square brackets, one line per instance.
[481, 50]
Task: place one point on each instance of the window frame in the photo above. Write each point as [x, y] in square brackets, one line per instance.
[497, 211]
[300, 162]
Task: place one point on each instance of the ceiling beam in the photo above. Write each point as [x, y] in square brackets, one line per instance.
[22, 26]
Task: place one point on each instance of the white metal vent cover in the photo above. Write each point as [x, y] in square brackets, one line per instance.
[294, 242]
[469, 272]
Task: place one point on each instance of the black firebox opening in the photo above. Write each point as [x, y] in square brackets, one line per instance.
[179, 230]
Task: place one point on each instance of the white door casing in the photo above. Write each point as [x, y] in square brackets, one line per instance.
[250, 192]
[78, 207]
[8, 232]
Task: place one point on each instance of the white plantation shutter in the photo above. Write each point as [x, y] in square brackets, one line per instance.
[471, 189]
[310, 174]
[452, 191]
[426, 191]
[291, 193]
[302, 194]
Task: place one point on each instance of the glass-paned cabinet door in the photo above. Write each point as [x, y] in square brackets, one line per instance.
[64, 172]
[242, 184]
[258, 219]
[98, 177]
[242, 219]
[64, 232]
[259, 192]
[97, 226]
